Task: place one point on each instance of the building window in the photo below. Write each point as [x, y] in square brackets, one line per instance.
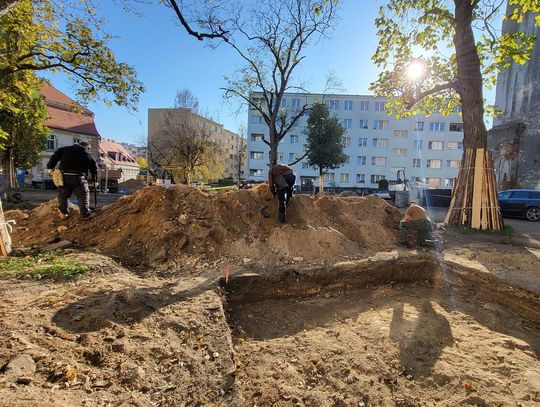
[347, 123]
[364, 105]
[376, 178]
[418, 144]
[257, 155]
[394, 170]
[51, 142]
[332, 104]
[416, 162]
[455, 145]
[360, 178]
[436, 126]
[257, 137]
[293, 157]
[452, 163]
[364, 124]
[283, 102]
[361, 160]
[296, 103]
[76, 140]
[380, 106]
[344, 177]
[435, 145]
[347, 105]
[256, 119]
[346, 141]
[378, 161]
[456, 126]
[402, 152]
[305, 166]
[419, 126]
[255, 172]
[329, 177]
[280, 157]
[433, 163]
[433, 181]
[449, 182]
[457, 109]
[348, 160]
[380, 142]
[294, 139]
[362, 142]
[380, 124]
[401, 133]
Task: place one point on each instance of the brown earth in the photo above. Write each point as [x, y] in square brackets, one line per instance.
[386, 327]
[157, 224]
[131, 185]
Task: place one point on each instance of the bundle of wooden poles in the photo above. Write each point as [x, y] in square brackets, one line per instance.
[474, 202]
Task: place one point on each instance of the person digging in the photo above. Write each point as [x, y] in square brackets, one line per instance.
[74, 164]
[416, 218]
[281, 180]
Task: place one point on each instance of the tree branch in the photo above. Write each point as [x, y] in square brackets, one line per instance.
[200, 36]
[435, 89]
[299, 159]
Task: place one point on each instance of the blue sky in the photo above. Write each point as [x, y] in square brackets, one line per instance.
[167, 60]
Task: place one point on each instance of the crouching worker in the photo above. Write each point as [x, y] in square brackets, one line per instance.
[416, 218]
[75, 163]
[281, 180]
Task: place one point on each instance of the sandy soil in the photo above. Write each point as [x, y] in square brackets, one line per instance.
[303, 322]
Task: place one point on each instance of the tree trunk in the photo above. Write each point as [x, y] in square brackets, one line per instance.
[274, 142]
[321, 180]
[468, 198]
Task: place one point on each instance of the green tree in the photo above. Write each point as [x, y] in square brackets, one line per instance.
[457, 65]
[325, 145]
[42, 35]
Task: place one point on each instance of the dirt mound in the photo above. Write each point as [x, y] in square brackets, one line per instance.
[157, 224]
[131, 185]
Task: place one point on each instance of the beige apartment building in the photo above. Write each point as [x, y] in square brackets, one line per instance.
[232, 145]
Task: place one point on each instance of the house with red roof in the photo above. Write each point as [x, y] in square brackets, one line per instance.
[69, 123]
[116, 162]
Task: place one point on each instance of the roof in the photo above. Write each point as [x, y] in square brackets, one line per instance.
[122, 155]
[66, 114]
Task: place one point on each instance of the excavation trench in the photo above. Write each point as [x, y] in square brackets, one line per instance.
[387, 331]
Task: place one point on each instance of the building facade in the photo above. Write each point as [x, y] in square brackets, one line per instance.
[69, 123]
[232, 145]
[134, 150]
[428, 150]
[116, 162]
[515, 137]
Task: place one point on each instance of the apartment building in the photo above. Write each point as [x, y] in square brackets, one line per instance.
[232, 144]
[428, 149]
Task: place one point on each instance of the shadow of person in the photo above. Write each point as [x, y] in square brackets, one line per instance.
[422, 340]
[124, 307]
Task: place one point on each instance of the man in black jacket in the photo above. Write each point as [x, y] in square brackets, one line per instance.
[75, 162]
[281, 181]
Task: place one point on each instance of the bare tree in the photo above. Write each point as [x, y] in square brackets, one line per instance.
[270, 37]
[185, 145]
[185, 99]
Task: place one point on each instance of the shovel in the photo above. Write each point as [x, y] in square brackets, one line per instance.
[263, 211]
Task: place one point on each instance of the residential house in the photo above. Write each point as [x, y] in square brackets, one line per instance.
[69, 123]
[116, 162]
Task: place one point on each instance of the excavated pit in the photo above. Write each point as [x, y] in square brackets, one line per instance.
[388, 331]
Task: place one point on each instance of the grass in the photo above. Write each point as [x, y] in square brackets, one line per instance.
[219, 188]
[507, 230]
[49, 265]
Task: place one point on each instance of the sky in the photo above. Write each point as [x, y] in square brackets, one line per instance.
[167, 59]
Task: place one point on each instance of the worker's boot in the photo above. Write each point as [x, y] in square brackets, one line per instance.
[281, 217]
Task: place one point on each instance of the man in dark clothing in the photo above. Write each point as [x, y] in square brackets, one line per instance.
[75, 162]
[281, 180]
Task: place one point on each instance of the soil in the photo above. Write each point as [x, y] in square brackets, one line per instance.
[322, 311]
[131, 185]
[157, 225]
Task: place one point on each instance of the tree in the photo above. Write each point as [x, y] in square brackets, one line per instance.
[324, 141]
[186, 146]
[440, 27]
[26, 133]
[270, 37]
[41, 35]
[143, 164]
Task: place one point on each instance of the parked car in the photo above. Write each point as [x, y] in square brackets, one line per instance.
[520, 203]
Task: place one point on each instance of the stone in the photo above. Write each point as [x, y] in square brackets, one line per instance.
[298, 259]
[183, 219]
[247, 260]
[533, 379]
[61, 228]
[182, 242]
[22, 365]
